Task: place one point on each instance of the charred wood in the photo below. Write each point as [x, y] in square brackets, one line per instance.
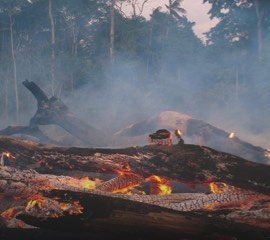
[51, 202]
[54, 111]
[186, 163]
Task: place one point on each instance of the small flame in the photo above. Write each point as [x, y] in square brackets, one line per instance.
[231, 135]
[8, 214]
[58, 208]
[220, 187]
[73, 209]
[36, 201]
[160, 186]
[8, 154]
[84, 182]
[178, 132]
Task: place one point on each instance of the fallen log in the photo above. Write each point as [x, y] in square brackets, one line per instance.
[185, 163]
[54, 111]
[59, 202]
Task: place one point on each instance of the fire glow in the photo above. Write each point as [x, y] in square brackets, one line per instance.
[5, 154]
[219, 187]
[39, 202]
[159, 186]
[8, 154]
[231, 135]
[84, 182]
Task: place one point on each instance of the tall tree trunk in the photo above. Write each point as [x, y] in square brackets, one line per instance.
[149, 55]
[6, 99]
[236, 87]
[259, 13]
[112, 31]
[53, 46]
[74, 52]
[170, 7]
[14, 68]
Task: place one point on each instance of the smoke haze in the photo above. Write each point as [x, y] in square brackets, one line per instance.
[124, 96]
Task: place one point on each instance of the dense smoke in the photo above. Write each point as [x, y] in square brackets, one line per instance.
[112, 99]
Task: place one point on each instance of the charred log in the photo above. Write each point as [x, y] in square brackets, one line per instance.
[186, 163]
[51, 202]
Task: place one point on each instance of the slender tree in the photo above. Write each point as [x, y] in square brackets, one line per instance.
[259, 8]
[51, 17]
[112, 31]
[14, 66]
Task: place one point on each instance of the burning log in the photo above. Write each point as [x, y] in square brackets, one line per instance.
[184, 163]
[54, 111]
[32, 199]
[57, 202]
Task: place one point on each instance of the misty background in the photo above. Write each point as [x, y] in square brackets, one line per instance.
[113, 70]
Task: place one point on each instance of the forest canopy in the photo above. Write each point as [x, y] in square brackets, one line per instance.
[105, 63]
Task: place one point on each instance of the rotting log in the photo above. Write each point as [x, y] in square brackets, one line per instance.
[54, 111]
[59, 203]
[185, 163]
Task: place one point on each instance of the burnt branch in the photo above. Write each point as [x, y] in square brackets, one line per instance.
[36, 91]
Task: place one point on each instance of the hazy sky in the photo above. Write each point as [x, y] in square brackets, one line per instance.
[196, 12]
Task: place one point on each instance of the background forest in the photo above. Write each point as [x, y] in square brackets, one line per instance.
[113, 70]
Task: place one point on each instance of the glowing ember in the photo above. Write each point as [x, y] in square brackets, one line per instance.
[267, 153]
[36, 201]
[5, 154]
[178, 132]
[8, 154]
[84, 182]
[124, 183]
[160, 186]
[72, 209]
[8, 214]
[220, 187]
[231, 135]
[127, 190]
[53, 207]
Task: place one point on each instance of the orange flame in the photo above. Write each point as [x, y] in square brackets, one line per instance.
[219, 187]
[84, 182]
[36, 201]
[61, 208]
[8, 154]
[8, 214]
[160, 186]
[73, 209]
[178, 132]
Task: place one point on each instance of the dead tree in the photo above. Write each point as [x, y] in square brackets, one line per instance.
[54, 111]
